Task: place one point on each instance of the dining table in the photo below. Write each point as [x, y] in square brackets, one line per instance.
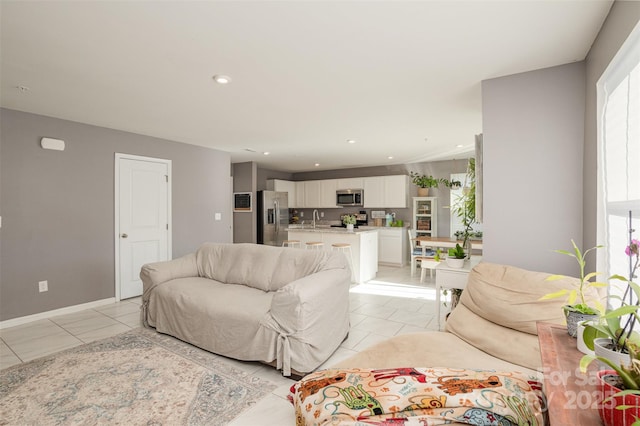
[445, 242]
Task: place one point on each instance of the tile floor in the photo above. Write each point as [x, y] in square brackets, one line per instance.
[392, 304]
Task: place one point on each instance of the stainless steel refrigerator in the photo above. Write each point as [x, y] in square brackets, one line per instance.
[273, 217]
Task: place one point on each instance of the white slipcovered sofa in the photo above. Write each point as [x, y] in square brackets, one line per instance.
[252, 302]
[493, 326]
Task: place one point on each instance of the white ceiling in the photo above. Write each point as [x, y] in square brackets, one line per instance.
[400, 78]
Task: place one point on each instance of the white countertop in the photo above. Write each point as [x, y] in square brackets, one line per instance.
[329, 230]
[399, 228]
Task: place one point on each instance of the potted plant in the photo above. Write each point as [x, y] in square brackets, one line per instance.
[456, 257]
[608, 336]
[349, 220]
[424, 182]
[620, 388]
[578, 308]
[451, 183]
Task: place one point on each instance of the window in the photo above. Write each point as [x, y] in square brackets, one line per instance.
[619, 158]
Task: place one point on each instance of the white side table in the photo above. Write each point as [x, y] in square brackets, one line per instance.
[447, 277]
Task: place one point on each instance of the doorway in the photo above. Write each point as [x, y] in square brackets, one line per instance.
[142, 218]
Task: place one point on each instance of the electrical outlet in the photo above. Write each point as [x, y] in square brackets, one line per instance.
[321, 214]
[301, 214]
[43, 286]
[218, 216]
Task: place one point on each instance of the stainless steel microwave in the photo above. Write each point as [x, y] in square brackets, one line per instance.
[349, 197]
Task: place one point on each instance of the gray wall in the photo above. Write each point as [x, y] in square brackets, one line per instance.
[263, 175]
[533, 126]
[245, 223]
[623, 17]
[58, 208]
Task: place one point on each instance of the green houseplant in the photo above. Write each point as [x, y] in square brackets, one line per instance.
[424, 182]
[578, 307]
[620, 388]
[614, 329]
[349, 220]
[456, 257]
[465, 207]
[621, 385]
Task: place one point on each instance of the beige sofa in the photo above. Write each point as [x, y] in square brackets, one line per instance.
[252, 302]
[493, 326]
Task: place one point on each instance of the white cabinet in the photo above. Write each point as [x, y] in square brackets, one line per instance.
[379, 191]
[328, 193]
[284, 186]
[425, 216]
[300, 195]
[317, 194]
[351, 183]
[374, 192]
[395, 191]
[392, 246]
[312, 193]
[386, 191]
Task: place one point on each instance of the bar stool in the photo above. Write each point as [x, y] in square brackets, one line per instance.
[291, 243]
[344, 248]
[315, 245]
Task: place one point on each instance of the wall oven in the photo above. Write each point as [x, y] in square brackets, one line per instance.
[349, 197]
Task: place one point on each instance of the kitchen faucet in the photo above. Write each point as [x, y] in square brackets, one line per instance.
[315, 213]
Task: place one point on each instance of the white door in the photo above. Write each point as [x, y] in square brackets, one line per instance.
[143, 212]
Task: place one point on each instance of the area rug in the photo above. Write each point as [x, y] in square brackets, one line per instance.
[138, 377]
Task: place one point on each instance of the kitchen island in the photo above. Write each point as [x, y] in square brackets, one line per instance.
[364, 246]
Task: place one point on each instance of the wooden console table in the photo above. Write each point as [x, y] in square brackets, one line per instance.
[572, 396]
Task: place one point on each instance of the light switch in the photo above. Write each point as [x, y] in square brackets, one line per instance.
[218, 216]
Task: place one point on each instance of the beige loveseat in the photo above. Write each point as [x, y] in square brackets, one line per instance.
[252, 302]
[493, 326]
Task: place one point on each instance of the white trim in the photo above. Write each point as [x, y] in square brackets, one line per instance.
[116, 228]
[620, 64]
[56, 312]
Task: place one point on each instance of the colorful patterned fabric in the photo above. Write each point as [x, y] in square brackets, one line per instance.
[417, 396]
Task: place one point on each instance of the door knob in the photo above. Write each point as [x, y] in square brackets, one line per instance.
[124, 235]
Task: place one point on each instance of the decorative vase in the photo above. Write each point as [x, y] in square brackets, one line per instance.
[573, 318]
[609, 414]
[467, 246]
[452, 262]
[423, 192]
[582, 347]
[350, 227]
[601, 346]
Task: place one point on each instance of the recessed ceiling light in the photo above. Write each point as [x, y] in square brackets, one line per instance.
[221, 79]
[390, 157]
[459, 146]
[350, 141]
[266, 153]
[317, 164]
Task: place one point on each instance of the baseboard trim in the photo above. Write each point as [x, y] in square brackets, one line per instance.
[62, 311]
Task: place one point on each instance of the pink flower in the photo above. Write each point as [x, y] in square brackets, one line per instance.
[632, 249]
